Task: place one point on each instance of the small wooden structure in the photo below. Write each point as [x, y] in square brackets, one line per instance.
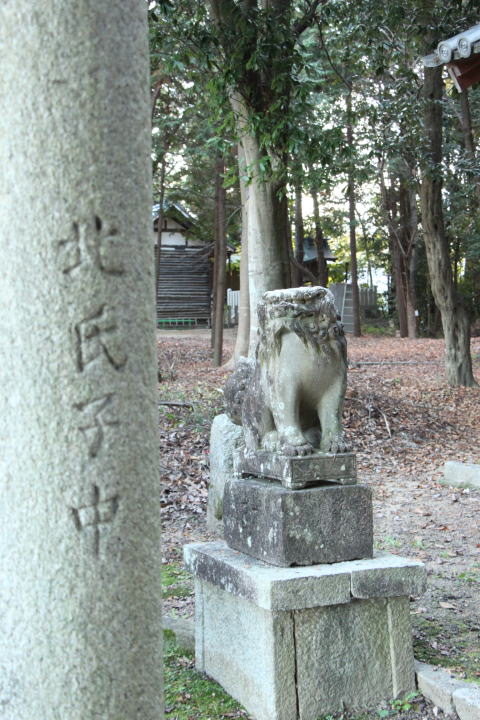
[185, 287]
[310, 252]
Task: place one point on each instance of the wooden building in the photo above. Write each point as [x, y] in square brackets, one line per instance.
[185, 287]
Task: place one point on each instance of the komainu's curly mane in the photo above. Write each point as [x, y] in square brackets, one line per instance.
[282, 311]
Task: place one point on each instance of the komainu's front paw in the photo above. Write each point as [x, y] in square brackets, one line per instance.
[337, 444]
[293, 442]
[295, 450]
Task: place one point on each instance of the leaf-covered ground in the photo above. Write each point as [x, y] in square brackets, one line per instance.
[404, 423]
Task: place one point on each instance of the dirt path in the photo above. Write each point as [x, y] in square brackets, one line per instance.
[404, 423]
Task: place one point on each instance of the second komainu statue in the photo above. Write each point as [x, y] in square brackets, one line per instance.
[290, 398]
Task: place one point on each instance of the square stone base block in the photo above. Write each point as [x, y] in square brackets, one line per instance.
[297, 643]
[324, 524]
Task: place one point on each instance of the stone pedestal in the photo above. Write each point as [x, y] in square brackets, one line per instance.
[298, 472]
[297, 643]
[325, 524]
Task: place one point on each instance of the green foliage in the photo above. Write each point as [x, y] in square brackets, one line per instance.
[399, 705]
[294, 86]
[188, 133]
[378, 330]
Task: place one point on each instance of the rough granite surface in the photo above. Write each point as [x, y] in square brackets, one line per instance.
[80, 589]
[466, 701]
[295, 588]
[326, 524]
[304, 646]
[463, 475]
[350, 656]
[298, 472]
[260, 673]
[437, 685]
[225, 439]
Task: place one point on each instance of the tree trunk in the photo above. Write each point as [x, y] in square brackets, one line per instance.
[353, 259]
[297, 275]
[400, 295]
[472, 270]
[322, 270]
[267, 260]
[399, 206]
[458, 362]
[220, 261]
[407, 240]
[243, 329]
[412, 316]
[352, 225]
[160, 227]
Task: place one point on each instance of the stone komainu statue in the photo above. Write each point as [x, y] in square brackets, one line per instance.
[290, 398]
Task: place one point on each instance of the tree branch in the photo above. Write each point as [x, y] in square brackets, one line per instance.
[347, 84]
[156, 92]
[307, 19]
[301, 267]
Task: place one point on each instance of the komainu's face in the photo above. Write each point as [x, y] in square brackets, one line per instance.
[318, 325]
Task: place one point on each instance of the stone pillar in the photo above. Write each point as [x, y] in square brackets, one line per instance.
[79, 494]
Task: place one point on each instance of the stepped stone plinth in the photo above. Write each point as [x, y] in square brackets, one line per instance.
[298, 643]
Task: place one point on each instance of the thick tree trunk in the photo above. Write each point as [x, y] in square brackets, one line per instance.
[468, 139]
[411, 271]
[261, 94]
[353, 260]
[407, 241]
[400, 212]
[458, 362]
[267, 260]
[400, 295]
[220, 262]
[472, 270]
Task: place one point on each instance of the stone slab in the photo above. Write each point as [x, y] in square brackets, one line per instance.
[466, 701]
[350, 656]
[296, 588]
[437, 686]
[296, 473]
[183, 629]
[311, 657]
[225, 440]
[448, 693]
[326, 524]
[248, 650]
[462, 475]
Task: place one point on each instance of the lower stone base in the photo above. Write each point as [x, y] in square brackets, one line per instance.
[297, 643]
